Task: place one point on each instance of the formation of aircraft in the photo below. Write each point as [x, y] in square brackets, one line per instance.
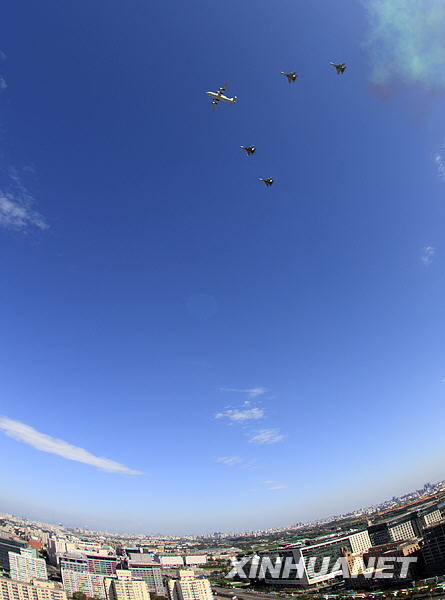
[249, 149]
[291, 77]
[219, 95]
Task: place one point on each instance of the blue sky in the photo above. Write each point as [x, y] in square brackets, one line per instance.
[183, 350]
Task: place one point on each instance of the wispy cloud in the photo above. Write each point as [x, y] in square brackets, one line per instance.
[230, 461]
[241, 414]
[251, 392]
[406, 42]
[16, 202]
[427, 256]
[40, 441]
[267, 436]
[3, 84]
[14, 214]
[440, 166]
[274, 485]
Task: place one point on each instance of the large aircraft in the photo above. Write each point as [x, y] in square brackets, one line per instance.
[268, 181]
[340, 67]
[291, 77]
[219, 95]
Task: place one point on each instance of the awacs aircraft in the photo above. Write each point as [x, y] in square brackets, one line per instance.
[219, 95]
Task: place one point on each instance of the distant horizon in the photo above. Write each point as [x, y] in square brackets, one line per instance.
[235, 532]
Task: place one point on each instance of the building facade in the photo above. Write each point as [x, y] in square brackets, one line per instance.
[41, 590]
[188, 587]
[9, 543]
[91, 584]
[433, 549]
[124, 587]
[86, 572]
[24, 567]
[142, 567]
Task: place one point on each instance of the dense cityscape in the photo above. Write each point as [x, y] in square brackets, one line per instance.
[41, 561]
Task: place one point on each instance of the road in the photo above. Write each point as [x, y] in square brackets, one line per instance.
[244, 594]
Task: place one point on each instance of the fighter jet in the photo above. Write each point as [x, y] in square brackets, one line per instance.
[291, 77]
[249, 149]
[268, 182]
[340, 67]
[219, 95]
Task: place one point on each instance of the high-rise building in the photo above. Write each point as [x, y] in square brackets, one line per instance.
[407, 527]
[428, 516]
[94, 563]
[91, 584]
[105, 565]
[143, 567]
[9, 543]
[38, 590]
[379, 534]
[86, 572]
[24, 567]
[124, 587]
[188, 587]
[433, 548]
[312, 558]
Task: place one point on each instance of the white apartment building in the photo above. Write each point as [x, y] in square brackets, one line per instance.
[24, 567]
[124, 587]
[91, 584]
[38, 590]
[187, 587]
[360, 541]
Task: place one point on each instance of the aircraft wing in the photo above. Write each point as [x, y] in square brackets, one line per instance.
[214, 104]
[223, 88]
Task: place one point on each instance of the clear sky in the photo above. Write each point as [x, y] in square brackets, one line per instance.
[182, 349]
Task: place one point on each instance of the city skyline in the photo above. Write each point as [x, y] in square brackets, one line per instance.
[184, 349]
[364, 511]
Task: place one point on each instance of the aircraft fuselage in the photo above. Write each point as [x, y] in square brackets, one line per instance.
[217, 96]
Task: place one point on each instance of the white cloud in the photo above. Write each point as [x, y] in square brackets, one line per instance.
[40, 441]
[440, 166]
[428, 253]
[251, 392]
[230, 461]
[267, 436]
[241, 414]
[15, 214]
[3, 84]
[274, 485]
